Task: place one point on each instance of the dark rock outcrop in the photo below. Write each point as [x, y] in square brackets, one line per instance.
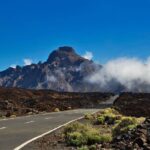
[134, 104]
[22, 101]
[138, 138]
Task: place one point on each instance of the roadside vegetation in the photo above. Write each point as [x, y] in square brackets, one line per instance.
[99, 129]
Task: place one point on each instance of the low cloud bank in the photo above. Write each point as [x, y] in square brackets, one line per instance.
[123, 74]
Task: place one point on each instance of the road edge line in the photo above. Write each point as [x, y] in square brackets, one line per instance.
[46, 133]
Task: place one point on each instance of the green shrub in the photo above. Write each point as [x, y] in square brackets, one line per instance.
[76, 139]
[110, 111]
[106, 118]
[110, 118]
[83, 148]
[74, 127]
[78, 134]
[126, 124]
[106, 138]
[100, 120]
[88, 116]
[92, 135]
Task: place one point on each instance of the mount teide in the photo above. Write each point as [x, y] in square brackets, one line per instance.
[64, 70]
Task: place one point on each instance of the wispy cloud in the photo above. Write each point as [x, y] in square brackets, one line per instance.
[27, 61]
[88, 55]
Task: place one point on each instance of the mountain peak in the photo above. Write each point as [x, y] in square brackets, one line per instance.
[65, 56]
[66, 49]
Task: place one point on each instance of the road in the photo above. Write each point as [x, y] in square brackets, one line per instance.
[14, 132]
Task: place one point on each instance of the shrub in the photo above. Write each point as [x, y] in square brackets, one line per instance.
[126, 124]
[76, 139]
[88, 116]
[106, 138]
[56, 110]
[92, 135]
[73, 127]
[110, 111]
[106, 118]
[100, 120]
[78, 134]
[110, 118]
[83, 148]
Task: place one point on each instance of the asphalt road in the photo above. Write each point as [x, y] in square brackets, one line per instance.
[14, 132]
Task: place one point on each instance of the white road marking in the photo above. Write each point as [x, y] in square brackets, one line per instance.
[42, 135]
[29, 122]
[26, 143]
[2, 128]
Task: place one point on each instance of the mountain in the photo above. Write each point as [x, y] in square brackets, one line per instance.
[64, 70]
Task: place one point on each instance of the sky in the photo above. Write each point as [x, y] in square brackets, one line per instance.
[104, 29]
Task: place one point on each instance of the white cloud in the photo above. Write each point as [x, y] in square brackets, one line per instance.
[131, 73]
[88, 55]
[27, 61]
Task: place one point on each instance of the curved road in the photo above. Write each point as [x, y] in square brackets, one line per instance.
[14, 132]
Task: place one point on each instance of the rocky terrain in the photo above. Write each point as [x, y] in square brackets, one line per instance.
[138, 138]
[64, 70]
[134, 104]
[14, 101]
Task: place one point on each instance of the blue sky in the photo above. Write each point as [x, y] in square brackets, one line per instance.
[109, 29]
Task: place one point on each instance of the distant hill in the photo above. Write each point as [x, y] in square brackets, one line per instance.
[64, 70]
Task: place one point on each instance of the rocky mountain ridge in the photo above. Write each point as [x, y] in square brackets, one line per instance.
[64, 70]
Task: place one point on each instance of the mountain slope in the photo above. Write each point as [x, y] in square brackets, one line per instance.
[64, 70]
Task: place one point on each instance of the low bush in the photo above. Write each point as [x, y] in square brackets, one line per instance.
[108, 116]
[76, 139]
[88, 116]
[106, 119]
[92, 135]
[126, 124]
[83, 148]
[110, 111]
[78, 134]
[73, 127]
[100, 120]
[106, 138]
